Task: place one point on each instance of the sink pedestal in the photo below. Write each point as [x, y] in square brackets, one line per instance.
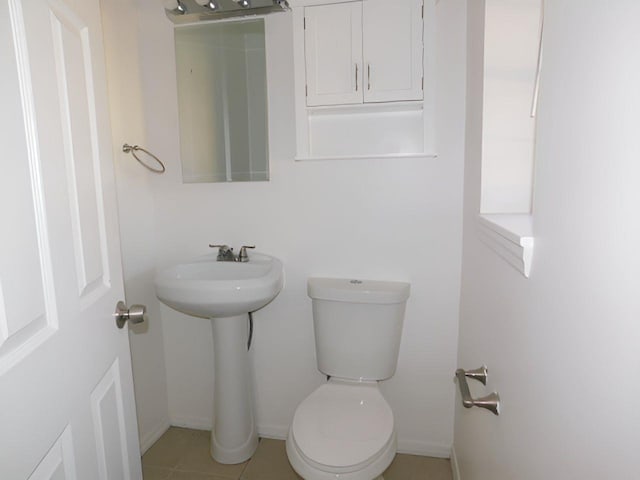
[234, 437]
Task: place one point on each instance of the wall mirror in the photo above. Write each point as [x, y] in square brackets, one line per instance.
[222, 97]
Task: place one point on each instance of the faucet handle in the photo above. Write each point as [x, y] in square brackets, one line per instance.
[224, 251]
[243, 256]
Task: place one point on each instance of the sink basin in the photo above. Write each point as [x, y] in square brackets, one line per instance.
[204, 287]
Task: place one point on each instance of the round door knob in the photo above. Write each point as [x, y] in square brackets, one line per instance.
[135, 314]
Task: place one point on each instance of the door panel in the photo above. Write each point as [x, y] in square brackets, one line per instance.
[25, 263]
[66, 394]
[110, 426]
[393, 50]
[76, 92]
[333, 50]
[59, 463]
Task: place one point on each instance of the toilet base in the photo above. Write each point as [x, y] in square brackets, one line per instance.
[372, 471]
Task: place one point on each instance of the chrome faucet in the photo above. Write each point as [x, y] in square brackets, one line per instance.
[225, 253]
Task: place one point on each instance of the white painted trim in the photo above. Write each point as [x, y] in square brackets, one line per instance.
[149, 438]
[455, 470]
[277, 432]
[410, 447]
[196, 423]
[359, 108]
[280, 432]
[417, 447]
[511, 237]
[368, 157]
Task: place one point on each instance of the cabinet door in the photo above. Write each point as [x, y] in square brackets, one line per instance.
[393, 49]
[333, 50]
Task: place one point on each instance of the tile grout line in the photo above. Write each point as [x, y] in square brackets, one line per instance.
[249, 461]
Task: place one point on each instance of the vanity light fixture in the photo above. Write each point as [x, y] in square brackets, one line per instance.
[175, 6]
[210, 4]
[192, 11]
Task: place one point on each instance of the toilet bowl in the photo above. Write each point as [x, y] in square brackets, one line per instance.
[344, 429]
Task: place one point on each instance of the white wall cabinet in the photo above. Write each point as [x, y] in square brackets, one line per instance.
[364, 78]
[364, 52]
[333, 49]
[392, 50]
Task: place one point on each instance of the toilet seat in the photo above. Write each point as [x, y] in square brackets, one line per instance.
[343, 427]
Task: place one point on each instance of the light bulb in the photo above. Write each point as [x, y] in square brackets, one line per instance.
[175, 6]
[210, 4]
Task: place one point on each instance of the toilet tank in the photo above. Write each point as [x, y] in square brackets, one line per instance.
[358, 325]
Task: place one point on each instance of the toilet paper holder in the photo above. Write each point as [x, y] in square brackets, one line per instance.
[490, 402]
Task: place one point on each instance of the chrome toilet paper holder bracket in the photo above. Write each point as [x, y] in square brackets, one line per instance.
[490, 402]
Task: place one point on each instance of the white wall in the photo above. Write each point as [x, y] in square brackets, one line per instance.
[379, 219]
[562, 346]
[136, 214]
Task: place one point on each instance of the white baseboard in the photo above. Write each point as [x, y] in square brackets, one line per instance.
[149, 438]
[280, 432]
[416, 447]
[277, 432]
[454, 464]
[196, 423]
[411, 447]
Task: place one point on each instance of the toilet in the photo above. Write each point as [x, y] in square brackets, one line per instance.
[344, 430]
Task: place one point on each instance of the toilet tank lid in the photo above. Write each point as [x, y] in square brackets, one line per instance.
[357, 291]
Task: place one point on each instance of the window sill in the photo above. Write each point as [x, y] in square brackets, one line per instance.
[511, 237]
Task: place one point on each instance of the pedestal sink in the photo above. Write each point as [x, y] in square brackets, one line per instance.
[226, 292]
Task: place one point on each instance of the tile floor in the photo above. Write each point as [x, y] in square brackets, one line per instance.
[182, 454]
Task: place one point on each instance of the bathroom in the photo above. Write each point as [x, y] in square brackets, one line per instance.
[421, 197]
[559, 344]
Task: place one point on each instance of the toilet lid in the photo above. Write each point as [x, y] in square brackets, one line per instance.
[341, 425]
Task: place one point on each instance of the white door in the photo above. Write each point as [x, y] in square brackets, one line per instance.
[333, 51]
[393, 50]
[66, 394]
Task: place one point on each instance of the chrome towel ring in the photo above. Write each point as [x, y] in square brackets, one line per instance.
[126, 148]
